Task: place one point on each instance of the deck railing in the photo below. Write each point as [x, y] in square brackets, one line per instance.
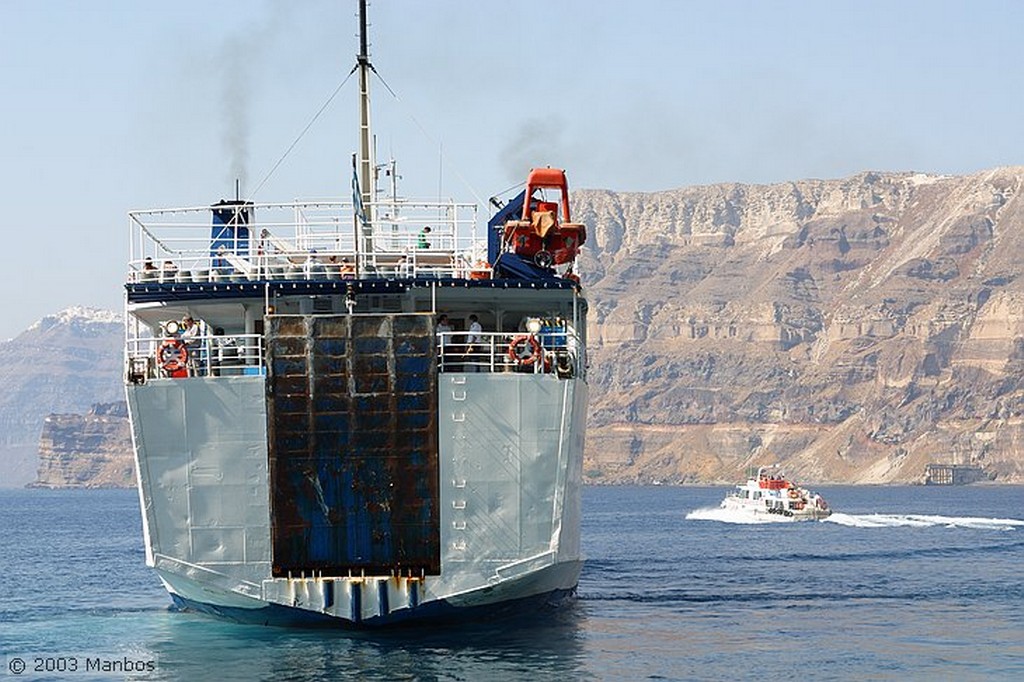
[305, 240]
[205, 355]
[552, 351]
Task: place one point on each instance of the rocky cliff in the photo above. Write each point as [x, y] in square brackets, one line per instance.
[65, 362]
[92, 450]
[853, 329]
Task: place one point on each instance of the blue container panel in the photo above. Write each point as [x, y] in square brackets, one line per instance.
[354, 459]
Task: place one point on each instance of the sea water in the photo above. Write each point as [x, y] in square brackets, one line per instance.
[900, 583]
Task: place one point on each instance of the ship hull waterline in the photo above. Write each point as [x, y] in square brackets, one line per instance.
[541, 598]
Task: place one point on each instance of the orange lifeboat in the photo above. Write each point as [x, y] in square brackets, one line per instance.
[541, 234]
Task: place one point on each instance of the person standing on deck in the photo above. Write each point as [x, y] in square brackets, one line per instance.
[169, 271]
[189, 330]
[348, 271]
[474, 345]
[190, 333]
[422, 242]
[149, 270]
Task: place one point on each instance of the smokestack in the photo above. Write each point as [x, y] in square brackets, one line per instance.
[230, 230]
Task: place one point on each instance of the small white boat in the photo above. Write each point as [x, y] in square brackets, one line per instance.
[769, 493]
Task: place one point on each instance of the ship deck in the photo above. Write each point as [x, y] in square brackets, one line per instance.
[147, 292]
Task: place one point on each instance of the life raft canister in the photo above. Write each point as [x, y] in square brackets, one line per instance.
[524, 350]
[173, 355]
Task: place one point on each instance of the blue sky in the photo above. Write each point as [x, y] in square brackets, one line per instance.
[120, 104]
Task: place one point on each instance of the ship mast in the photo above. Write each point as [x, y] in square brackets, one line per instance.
[365, 162]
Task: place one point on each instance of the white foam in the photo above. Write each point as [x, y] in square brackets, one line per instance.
[734, 516]
[922, 521]
[861, 520]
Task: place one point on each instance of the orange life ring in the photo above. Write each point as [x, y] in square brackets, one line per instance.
[173, 355]
[524, 350]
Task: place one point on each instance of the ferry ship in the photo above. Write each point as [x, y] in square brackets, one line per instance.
[342, 417]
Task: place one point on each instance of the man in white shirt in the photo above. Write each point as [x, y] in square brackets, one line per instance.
[190, 333]
[474, 345]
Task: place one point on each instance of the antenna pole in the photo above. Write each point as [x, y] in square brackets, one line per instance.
[366, 179]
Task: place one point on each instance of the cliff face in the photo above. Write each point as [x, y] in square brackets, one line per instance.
[853, 330]
[65, 362]
[90, 450]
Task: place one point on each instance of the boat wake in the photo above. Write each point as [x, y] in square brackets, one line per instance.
[922, 521]
[862, 520]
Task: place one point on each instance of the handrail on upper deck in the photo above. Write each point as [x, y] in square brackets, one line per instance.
[303, 240]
